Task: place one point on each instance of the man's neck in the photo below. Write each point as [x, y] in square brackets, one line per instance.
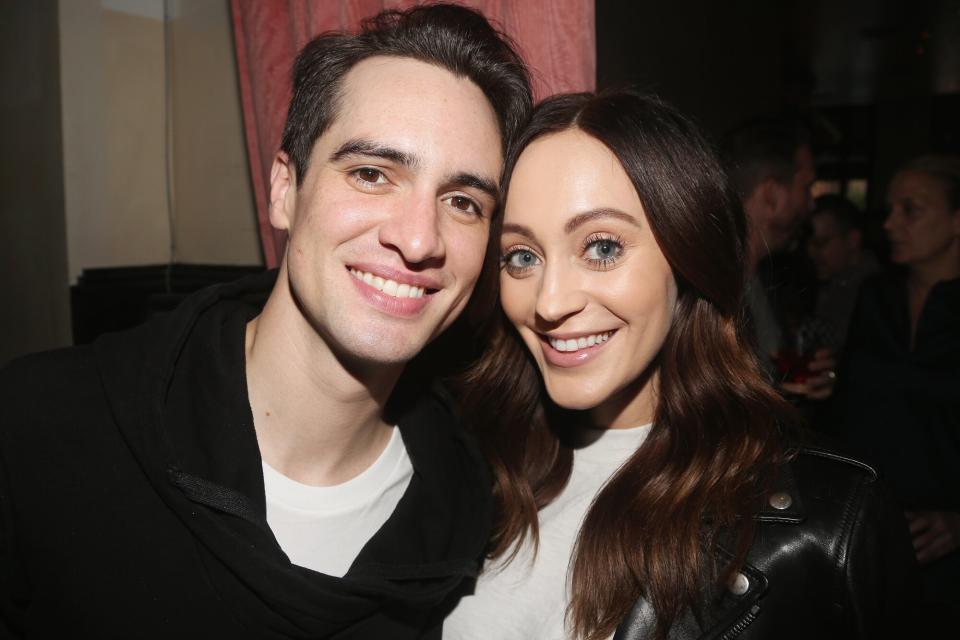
[317, 421]
[757, 250]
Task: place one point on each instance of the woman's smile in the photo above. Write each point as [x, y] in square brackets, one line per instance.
[583, 279]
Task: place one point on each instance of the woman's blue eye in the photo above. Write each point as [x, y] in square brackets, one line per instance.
[603, 251]
[520, 260]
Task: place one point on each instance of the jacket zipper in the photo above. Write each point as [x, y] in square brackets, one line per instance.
[742, 623]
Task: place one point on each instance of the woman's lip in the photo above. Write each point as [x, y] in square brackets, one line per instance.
[568, 359]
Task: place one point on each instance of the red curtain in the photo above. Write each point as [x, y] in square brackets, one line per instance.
[555, 37]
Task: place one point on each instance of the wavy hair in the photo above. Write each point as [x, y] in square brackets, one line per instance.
[714, 445]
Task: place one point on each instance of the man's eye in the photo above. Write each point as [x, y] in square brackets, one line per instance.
[463, 203]
[369, 176]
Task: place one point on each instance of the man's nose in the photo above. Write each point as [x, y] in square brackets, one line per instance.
[413, 229]
[560, 295]
[892, 220]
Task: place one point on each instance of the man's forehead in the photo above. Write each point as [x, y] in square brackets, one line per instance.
[408, 104]
[395, 82]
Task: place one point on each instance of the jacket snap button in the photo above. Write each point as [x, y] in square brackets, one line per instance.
[739, 585]
[781, 500]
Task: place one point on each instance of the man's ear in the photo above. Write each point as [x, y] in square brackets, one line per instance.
[774, 197]
[283, 192]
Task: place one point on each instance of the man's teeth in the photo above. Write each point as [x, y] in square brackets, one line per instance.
[389, 287]
[575, 344]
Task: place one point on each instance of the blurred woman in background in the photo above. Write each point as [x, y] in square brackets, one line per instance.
[899, 389]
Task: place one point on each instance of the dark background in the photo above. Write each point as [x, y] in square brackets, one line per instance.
[878, 80]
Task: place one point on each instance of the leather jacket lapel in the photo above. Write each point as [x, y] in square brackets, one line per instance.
[730, 609]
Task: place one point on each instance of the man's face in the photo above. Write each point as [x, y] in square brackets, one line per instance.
[795, 202]
[389, 227]
[831, 249]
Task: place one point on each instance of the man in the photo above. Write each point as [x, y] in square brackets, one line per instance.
[238, 471]
[835, 247]
[771, 165]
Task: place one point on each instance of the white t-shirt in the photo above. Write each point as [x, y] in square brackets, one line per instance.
[324, 528]
[527, 599]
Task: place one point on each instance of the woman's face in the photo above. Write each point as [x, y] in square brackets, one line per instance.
[921, 227]
[583, 279]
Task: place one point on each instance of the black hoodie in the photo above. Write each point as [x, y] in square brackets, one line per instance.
[132, 500]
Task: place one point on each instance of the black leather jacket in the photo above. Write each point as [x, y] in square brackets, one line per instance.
[831, 559]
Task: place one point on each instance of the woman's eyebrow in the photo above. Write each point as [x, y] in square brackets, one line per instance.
[519, 229]
[587, 216]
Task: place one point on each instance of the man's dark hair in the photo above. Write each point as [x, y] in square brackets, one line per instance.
[846, 216]
[762, 149]
[452, 37]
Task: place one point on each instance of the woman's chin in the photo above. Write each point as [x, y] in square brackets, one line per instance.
[574, 401]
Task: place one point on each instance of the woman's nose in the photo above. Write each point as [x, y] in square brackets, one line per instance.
[560, 295]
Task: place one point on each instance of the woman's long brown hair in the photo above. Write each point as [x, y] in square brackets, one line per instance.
[714, 445]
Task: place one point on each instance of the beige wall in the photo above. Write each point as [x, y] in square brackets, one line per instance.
[215, 217]
[113, 108]
[124, 152]
[34, 313]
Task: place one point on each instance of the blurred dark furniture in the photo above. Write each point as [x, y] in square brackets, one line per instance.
[115, 298]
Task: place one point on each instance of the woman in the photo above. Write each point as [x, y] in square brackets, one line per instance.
[630, 433]
[900, 386]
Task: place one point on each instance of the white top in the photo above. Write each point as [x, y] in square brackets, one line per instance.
[324, 528]
[527, 599]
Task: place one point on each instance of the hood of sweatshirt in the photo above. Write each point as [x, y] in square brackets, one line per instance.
[177, 388]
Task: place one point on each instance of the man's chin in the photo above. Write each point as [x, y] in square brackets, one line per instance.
[365, 352]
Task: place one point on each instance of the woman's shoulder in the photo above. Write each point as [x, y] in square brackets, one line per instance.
[830, 537]
[830, 558]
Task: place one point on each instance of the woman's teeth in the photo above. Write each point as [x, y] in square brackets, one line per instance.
[389, 287]
[575, 344]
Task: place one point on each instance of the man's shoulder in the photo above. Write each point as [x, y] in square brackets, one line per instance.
[46, 372]
[46, 386]
[436, 438]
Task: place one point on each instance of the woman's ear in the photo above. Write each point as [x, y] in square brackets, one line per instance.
[283, 192]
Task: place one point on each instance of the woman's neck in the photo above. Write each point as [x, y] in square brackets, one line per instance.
[632, 406]
[922, 278]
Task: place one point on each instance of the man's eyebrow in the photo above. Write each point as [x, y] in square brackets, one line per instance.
[486, 185]
[360, 147]
[587, 216]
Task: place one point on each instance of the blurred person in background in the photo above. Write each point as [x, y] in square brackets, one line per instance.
[772, 167]
[835, 247]
[899, 398]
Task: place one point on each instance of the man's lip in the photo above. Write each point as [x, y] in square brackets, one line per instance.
[398, 276]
